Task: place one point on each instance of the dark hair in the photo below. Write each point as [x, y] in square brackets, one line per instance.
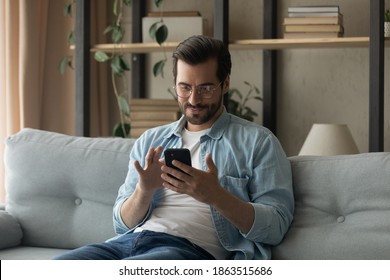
[198, 49]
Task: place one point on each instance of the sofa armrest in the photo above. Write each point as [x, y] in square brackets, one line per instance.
[10, 231]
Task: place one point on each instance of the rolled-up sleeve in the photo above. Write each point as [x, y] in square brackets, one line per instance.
[271, 193]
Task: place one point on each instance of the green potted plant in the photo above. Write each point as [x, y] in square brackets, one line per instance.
[387, 23]
[237, 102]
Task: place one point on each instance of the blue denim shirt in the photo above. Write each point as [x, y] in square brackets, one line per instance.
[251, 165]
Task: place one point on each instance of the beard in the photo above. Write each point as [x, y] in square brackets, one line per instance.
[208, 111]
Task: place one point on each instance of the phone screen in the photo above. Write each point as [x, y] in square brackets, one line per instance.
[182, 155]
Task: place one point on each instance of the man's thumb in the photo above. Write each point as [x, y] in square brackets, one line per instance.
[210, 164]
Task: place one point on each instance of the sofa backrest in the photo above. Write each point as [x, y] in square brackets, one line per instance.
[342, 208]
[62, 188]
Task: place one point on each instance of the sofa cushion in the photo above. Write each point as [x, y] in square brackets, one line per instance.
[61, 188]
[30, 253]
[342, 208]
[10, 231]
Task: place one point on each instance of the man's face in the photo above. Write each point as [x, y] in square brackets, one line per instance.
[200, 112]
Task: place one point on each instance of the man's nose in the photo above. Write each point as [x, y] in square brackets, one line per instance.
[194, 97]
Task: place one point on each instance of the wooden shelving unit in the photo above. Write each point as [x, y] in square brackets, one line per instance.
[269, 45]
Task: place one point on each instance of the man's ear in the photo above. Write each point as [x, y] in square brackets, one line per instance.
[226, 85]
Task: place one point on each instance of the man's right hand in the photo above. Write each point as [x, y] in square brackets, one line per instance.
[150, 175]
[134, 208]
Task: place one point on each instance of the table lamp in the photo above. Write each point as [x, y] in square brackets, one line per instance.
[329, 139]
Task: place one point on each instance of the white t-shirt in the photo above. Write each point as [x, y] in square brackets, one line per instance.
[181, 215]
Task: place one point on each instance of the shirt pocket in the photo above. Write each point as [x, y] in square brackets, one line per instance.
[236, 186]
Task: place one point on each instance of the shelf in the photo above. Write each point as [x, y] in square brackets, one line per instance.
[277, 44]
[255, 44]
[136, 47]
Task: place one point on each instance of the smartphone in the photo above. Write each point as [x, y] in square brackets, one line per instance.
[182, 155]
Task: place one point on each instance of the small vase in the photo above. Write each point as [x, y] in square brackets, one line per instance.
[387, 29]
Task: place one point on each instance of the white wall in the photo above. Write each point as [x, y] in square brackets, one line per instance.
[314, 85]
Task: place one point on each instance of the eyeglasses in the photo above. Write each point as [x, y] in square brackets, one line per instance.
[204, 91]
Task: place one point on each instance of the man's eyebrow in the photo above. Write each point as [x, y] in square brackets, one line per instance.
[202, 84]
[183, 84]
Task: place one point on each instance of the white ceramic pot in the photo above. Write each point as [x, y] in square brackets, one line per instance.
[387, 29]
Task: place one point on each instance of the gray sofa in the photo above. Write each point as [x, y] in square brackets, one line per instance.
[61, 190]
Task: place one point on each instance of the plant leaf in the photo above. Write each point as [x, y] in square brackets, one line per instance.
[116, 65]
[118, 130]
[235, 91]
[101, 56]
[108, 29]
[153, 29]
[232, 91]
[162, 34]
[70, 38]
[250, 112]
[158, 68]
[127, 3]
[124, 65]
[123, 105]
[117, 34]
[232, 106]
[119, 65]
[158, 3]
[67, 9]
[63, 64]
[158, 31]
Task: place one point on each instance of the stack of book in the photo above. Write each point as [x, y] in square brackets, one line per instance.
[149, 113]
[313, 22]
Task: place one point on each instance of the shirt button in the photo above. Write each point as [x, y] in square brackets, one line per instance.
[78, 201]
[341, 219]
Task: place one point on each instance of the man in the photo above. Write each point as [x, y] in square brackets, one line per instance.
[233, 203]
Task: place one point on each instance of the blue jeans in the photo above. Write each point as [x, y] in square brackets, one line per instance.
[144, 245]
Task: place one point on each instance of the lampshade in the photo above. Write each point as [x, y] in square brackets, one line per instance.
[329, 139]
